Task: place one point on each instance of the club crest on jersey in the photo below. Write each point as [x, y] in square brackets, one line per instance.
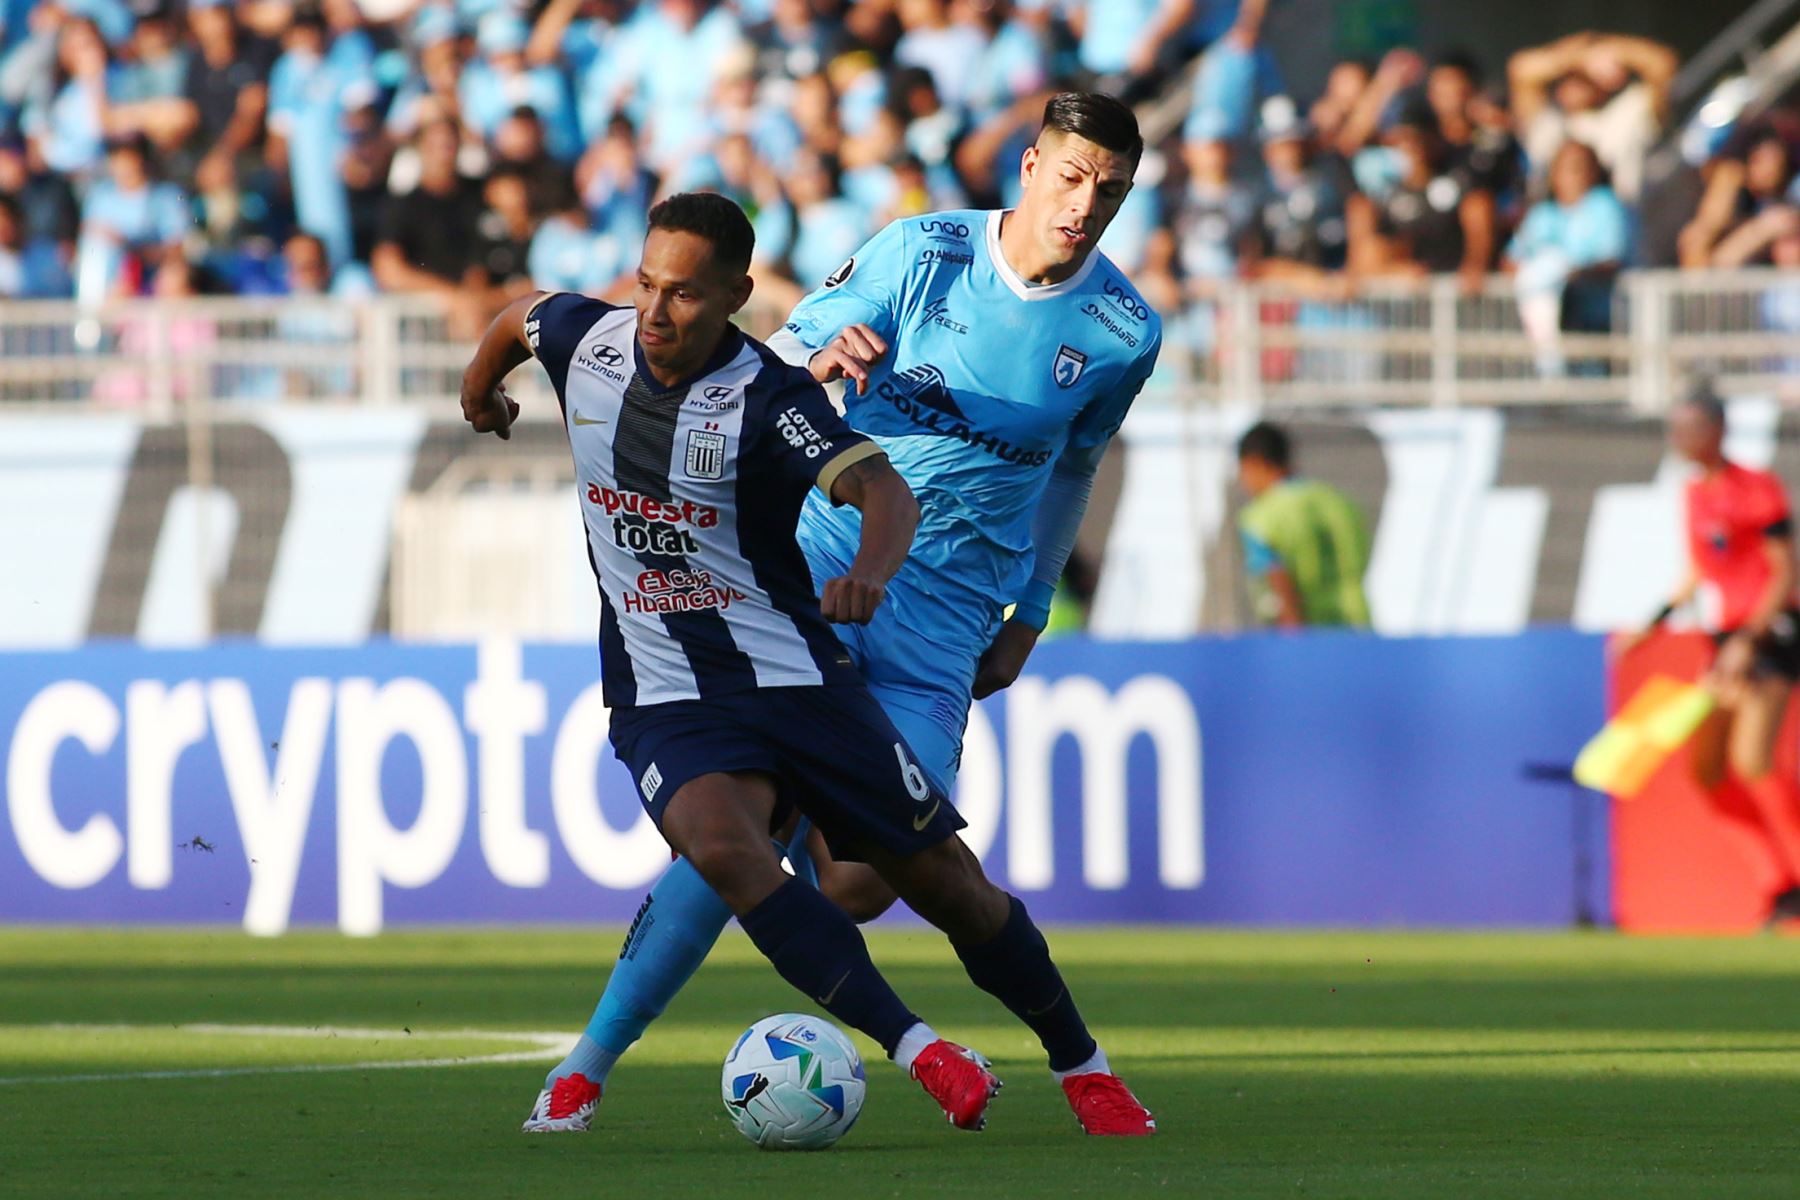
[705, 455]
[837, 277]
[1069, 365]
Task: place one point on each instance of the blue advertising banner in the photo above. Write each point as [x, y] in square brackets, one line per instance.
[1321, 779]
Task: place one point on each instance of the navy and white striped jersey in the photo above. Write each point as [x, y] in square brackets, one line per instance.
[690, 495]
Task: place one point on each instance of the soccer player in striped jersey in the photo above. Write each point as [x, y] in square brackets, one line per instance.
[732, 700]
[992, 355]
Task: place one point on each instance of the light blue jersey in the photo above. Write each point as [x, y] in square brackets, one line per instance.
[988, 381]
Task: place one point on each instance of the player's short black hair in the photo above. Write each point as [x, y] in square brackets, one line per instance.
[1703, 398]
[1099, 118]
[1266, 441]
[713, 217]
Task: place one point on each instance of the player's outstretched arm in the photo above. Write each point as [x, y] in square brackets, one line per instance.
[485, 404]
[890, 515]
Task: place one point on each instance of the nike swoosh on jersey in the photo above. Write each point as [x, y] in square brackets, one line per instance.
[919, 823]
[581, 420]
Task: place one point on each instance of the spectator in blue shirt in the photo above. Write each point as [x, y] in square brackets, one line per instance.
[1013, 62]
[567, 254]
[157, 65]
[572, 35]
[1236, 74]
[813, 109]
[500, 81]
[127, 214]
[148, 90]
[70, 131]
[30, 268]
[829, 228]
[676, 51]
[741, 105]
[733, 169]
[616, 187]
[947, 49]
[932, 129]
[1567, 253]
[309, 94]
[1131, 44]
[589, 41]
[430, 87]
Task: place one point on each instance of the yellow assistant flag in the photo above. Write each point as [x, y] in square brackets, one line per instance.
[1653, 724]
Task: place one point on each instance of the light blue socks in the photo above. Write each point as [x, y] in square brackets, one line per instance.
[674, 931]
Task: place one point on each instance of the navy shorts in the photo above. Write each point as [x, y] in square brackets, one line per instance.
[832, 751]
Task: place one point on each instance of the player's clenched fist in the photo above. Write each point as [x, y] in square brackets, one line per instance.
[849, 600]
[849, 355]
[490, 412]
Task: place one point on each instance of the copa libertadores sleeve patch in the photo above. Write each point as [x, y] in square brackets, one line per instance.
[837, 277]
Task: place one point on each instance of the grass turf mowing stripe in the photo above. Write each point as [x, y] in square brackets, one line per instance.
[78, 1042]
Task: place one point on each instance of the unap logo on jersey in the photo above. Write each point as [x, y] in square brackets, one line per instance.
[837, 277]
[1069, 365]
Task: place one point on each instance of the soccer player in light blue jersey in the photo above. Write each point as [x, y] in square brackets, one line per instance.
[992, 355]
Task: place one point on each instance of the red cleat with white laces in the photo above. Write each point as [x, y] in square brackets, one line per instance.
[958, 1080]
[566, 1108]
[1105, 1106]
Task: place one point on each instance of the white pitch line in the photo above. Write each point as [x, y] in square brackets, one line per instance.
[542, 1046]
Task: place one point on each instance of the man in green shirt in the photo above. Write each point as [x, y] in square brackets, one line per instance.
[1306, 544]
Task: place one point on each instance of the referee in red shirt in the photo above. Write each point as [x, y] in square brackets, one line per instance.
[1740, 537]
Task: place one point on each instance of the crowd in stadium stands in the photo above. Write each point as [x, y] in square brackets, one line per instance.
[474, 150]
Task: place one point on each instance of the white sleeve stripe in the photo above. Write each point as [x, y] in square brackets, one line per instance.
[790, 349]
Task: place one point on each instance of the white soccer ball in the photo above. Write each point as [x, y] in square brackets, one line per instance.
[793, 1082]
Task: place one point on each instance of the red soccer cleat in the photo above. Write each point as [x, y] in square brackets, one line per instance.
[960, 1084]
[1105, 1106]
[566, 1108]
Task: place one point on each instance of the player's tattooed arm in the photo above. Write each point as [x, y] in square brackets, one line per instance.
[485, 404]
[890, 517]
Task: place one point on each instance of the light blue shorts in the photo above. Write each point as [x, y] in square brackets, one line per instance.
[922, 681]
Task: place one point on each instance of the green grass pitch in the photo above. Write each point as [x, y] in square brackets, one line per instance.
[1279, 1064]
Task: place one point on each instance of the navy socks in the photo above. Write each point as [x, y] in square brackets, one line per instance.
[1014, 967]
[819, 950]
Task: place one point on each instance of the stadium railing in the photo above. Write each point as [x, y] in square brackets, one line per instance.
[199, 375]
[1261, 345]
